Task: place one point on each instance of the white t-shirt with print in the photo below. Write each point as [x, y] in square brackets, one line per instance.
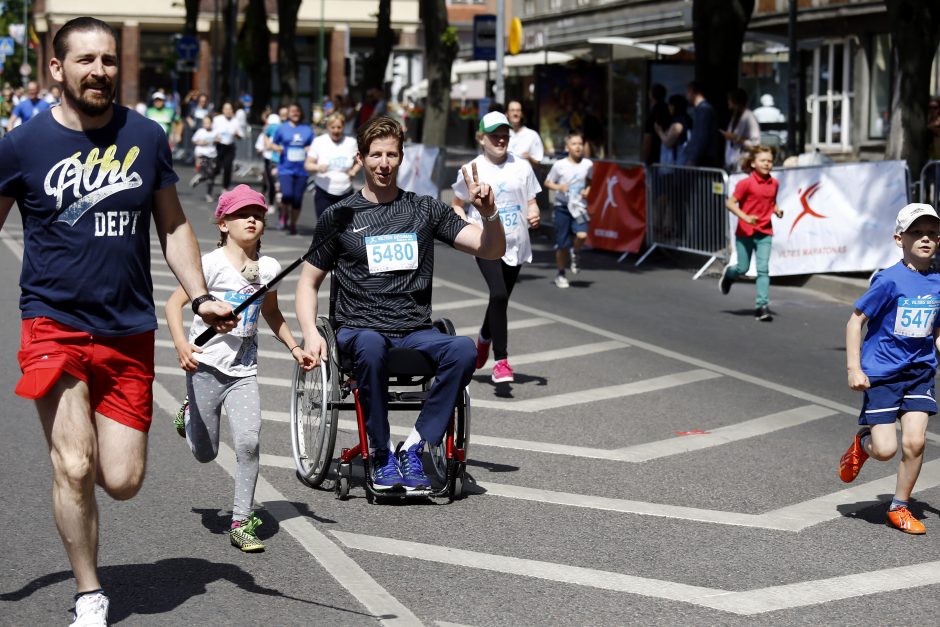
[234, 353]
[525, 140]
[207, 150]
[514, 185]
[576, 176]
[226, 128]
[340, 156]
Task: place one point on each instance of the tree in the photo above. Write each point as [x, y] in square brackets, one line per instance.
[192, 14]
[253, 49]
[13, 14]
[374, 75]
[287, 48]
[441, 47]
[915, 33]
[718, 28]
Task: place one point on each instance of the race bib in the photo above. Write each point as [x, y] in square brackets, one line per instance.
[248, 325]
[390, 253]
[915, 316]
[340, 163]
[296, 153]
[511, 216]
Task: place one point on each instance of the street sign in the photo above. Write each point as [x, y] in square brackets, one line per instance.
[187, 48]
[25, 70]
[6, 46]
[484, 37]
[186, 66]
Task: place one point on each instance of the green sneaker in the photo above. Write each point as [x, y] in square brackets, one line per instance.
[180, 420]
[244, 536]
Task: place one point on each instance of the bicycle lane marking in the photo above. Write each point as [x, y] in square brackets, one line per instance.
[365, 589]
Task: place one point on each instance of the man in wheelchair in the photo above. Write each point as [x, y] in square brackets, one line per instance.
[383, 264]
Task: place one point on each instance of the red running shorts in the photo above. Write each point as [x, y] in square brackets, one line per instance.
[118, 370]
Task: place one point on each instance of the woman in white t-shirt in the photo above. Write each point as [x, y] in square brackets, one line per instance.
[515, 187]
[332, 161]
[228, 129]
[223, 373]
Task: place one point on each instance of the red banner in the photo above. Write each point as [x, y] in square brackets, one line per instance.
[617, 206]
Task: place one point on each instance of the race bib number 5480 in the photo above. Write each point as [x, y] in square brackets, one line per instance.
[915, 316]
[388, 253]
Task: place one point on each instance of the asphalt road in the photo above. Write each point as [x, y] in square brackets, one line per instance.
[662, 458]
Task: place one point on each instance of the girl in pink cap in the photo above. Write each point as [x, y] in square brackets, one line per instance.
[223, 373]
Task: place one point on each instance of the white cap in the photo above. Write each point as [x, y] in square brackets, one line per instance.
[492, 121]
[158, 95]
[911, 212]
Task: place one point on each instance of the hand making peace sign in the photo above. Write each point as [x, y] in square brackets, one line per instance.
[480, 194]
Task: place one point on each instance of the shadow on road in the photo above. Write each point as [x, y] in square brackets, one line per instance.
[161, 587]
[874, 511]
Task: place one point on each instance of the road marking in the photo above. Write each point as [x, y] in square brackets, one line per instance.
[460, 304]
[562, 353]
[665, 352]
[331, 557]
[744, 603]
[606, 392]
[527, 323]
[723, 435]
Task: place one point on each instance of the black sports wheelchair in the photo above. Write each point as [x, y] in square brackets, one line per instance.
[318, 396]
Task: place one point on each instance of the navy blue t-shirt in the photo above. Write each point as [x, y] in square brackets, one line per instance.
[86, 198]
[901, 306]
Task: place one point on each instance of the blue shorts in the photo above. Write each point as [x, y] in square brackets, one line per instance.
[565, 225]
[889, 397]
[292, 189]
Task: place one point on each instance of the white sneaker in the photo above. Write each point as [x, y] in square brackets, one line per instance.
[561, 281]
[91, 610]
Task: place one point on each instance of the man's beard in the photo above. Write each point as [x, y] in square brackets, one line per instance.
[90, 105]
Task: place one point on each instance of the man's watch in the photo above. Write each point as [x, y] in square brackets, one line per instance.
[491, 218]
[199, 300]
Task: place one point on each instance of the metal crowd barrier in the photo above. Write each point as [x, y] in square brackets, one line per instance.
[686, 211]
[930, 183]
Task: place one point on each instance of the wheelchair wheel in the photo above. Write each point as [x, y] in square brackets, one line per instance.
[439, 453]
[313, 415]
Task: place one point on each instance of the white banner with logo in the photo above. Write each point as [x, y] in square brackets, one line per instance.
[836, 218]
[416, 173]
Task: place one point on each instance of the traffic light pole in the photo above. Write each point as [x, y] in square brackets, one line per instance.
[500, 50]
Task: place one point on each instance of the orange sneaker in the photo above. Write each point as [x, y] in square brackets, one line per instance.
[903, 519]
[851, 462]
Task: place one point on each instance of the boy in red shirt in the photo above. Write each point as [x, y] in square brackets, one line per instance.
[754, 202]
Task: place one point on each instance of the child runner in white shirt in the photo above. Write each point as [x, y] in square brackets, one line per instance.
[223, 373]
[515, 186]
[206, 155]
[571, 180]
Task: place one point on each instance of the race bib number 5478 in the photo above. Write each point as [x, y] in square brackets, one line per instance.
[915, 316]
[389, 253]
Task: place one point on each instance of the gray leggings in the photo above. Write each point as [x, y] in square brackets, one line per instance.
[209, 390]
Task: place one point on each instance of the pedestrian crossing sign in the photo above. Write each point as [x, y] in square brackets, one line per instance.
[6, 46]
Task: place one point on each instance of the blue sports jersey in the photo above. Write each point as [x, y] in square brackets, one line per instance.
[294, 139]
[27, 109]
[901, 306]
[85, 200]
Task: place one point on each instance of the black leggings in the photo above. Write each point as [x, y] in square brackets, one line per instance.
[226, 159]
[500, 279]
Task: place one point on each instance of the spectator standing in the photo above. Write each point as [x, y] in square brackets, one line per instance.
[332, 160]
[524, 142]
[705, 148]
[228, 130]
[6, 106]
[658, 114]
[743, 130]
[27, 107]
[674, 138]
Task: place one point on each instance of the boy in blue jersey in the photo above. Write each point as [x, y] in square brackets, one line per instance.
[897, 362]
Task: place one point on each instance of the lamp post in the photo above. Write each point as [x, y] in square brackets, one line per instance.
[500, 49]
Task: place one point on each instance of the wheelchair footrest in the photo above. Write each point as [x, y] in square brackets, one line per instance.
[408, 397]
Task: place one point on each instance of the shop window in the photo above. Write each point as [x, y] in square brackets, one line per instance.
[830, 96]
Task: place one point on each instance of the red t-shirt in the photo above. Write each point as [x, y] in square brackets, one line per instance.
[757, 197]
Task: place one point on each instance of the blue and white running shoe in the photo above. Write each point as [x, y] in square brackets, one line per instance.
[386, 475]
[412, 467]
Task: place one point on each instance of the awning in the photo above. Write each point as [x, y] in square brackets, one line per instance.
[629, 48]
[526, 59]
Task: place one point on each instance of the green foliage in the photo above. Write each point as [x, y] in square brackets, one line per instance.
[450, 41]
[13, 14]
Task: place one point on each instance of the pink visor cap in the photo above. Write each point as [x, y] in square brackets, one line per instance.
[240, 196]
